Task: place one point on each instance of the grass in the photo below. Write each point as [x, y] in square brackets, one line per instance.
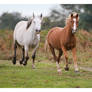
[45, 74]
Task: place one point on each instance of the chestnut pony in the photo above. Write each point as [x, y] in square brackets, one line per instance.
[63, 39]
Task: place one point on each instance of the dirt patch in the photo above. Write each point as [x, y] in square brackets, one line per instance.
[86, 69]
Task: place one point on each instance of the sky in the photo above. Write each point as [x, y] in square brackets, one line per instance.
[27, 9]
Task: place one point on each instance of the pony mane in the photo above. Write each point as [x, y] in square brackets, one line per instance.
[69, 17]
[29, 23]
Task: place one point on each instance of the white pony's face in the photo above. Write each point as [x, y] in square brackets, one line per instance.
[37, 21]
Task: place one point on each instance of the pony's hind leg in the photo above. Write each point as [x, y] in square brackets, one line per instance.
[60, 54]
[26, 55]
[14, 57]
[23, 56]
[33, 62]
[66, 57]
[56, 59]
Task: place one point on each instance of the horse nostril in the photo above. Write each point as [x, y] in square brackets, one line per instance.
[38, 30]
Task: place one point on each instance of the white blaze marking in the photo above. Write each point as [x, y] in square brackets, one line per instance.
[74, 25]
[38, 35]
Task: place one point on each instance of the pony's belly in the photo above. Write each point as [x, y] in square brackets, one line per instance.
[55, 45]
[20, 41]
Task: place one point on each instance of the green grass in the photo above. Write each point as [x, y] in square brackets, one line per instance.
[44, 76]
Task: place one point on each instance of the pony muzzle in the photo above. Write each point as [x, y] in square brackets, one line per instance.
[38, 31]
[74, 31]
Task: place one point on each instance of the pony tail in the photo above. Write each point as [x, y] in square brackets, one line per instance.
[46, 46]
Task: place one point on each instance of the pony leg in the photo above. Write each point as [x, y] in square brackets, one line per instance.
[33, 62]
[53, 53]
[26, 55]
[23, 55]
[66, 57]
[14, 58]
[34, 55]
[55, 58]
[60, 54]
[58, 60]
[75, 59]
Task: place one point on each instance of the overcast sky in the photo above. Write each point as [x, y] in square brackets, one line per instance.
[27, 9]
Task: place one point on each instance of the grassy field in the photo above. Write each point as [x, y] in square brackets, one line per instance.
[45, 75]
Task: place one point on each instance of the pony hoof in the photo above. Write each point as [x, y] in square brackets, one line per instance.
[14, 61]
[21, 62]
[24, 64]
[66, 68]
[59, 72]
[33, 66]
[76, 71]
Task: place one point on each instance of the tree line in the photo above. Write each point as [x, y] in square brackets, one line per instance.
[56, 17]
[59, 14]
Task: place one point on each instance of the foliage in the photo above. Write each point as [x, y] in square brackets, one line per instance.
[85, 14]
[9, 20]
[45, 74]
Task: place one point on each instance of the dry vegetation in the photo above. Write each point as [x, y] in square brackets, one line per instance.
[84, 43]
[45, 74]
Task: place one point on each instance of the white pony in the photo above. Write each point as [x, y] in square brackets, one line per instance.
[27, 33]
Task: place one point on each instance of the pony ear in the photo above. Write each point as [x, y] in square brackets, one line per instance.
[71, 15]
[33, 15]
[41, 16]
[29, 23]
[77, 15]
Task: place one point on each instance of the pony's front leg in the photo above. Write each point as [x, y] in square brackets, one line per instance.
[66, 57]
[75, 59]
[23, 56]
[14, 57]
[34, 55]
[26, 55]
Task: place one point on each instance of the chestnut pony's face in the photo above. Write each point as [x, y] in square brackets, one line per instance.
[74, 22]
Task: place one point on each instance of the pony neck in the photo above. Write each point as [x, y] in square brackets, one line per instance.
[32, 29]
[68, 29]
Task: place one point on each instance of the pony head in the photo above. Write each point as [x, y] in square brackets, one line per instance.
[74, 21]
[37, 21]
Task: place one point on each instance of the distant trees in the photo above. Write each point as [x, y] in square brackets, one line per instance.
[85, 11]
[56, 17]
[9, 20]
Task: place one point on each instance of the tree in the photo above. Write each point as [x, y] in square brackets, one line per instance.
[9, 20]
[85, 13]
